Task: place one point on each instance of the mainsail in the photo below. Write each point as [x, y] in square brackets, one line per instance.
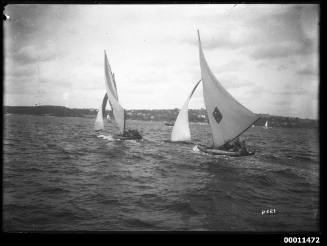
[227, 117]
[109, 76]
[113, 79]
[117, 110]
[181, 129]
[112, 97]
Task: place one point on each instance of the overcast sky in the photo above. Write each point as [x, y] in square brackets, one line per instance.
[266, 56]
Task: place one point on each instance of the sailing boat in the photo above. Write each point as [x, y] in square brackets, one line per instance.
[119, 113]
[266, 125]
[228, 118]
[169, 123]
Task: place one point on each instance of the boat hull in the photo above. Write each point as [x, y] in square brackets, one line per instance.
[120, 137]
[211, 151]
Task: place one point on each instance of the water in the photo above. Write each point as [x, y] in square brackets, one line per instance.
[59, 175]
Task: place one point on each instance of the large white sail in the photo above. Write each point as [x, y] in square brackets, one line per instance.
[109, 76]
[181, 130]
[227, 117]
[117, 110]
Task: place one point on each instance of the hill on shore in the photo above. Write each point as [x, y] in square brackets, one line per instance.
[195, 115]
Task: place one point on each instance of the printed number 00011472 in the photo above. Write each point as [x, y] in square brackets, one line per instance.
[301, 240]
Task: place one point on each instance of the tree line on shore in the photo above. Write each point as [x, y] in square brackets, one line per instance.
[168, 115]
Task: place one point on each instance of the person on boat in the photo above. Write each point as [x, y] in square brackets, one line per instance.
[243, 149]
[131, 133]
[236, 146]
[233, 146]
[227, 147]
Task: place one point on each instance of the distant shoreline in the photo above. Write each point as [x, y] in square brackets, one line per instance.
[168, 115]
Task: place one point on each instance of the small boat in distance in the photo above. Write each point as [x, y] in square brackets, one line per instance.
[169, 123]
[228, 118]
[119, 113]
[266, 125]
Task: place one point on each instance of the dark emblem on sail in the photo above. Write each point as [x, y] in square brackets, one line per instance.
[217, 115]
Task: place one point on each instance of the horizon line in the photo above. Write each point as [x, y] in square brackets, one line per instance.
[157, 109]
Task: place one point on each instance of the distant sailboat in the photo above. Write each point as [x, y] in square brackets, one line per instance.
[169, 123]
[181, 130]
[118, 111]
[266, 125]
[228, 118]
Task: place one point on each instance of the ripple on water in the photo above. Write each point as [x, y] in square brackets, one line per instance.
[58, 174]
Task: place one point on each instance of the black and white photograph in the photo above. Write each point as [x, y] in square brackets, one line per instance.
[161, 117]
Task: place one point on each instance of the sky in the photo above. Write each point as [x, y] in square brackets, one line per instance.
[266, 56]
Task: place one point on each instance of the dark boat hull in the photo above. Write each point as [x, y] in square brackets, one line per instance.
[120, 137]
[211, 151]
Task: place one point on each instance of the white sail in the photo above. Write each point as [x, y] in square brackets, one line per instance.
[113, 79]
[266, 125]
[109, 77]
[227, 117]
[99, 119]
[117, 110]
[98, 125]
[181, 130]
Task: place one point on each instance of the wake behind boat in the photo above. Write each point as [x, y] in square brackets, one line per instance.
[221, 152]
[228, 118]
[119, 113]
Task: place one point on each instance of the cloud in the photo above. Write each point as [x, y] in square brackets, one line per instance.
[18, 72]
[287, 33]
[33, 54]
[36, 21]
[308, 71]
[283, 50]
[58, 49]
[296, 91]
[220, 40]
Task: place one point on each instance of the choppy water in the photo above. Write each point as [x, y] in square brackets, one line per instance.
[58, 175]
